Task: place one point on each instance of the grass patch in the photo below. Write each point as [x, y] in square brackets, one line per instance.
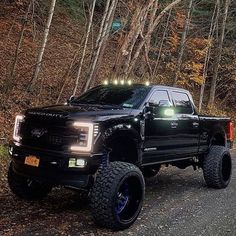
[4, 162]
[4, 152]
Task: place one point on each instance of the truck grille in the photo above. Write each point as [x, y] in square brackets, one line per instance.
[55, 140]
[47, 133]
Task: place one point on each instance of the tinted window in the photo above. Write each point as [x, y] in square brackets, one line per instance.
[159, 95]
[123, 96]
[183, 103]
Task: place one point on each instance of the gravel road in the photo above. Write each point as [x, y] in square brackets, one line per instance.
[177, 203]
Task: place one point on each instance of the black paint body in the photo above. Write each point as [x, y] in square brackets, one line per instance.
[156, 140]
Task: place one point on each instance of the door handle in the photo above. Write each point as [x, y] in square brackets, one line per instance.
[195, 124]
[174, 125]
[185, 116]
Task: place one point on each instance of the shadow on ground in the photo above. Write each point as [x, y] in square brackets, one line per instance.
[63, 212]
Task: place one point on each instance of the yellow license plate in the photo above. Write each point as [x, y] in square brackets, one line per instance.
[32, 161]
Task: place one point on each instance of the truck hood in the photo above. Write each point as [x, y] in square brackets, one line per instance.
[85, 112]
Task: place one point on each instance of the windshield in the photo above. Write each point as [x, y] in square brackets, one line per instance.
[126, 97]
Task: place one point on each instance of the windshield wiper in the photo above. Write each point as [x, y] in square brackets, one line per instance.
[83, 102]
[97, 104]
[109, 105]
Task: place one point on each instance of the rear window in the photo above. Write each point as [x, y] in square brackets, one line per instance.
[182, 103]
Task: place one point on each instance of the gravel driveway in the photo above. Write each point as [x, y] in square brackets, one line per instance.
[177, 203]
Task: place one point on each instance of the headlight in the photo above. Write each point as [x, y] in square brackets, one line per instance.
[18, 121]
[85, 140]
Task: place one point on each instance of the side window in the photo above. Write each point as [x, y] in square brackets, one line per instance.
[182, 103]
[159, 95]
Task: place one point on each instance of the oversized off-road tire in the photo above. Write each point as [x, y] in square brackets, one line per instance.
[217, 167]
[117, 195]
[151, 171]
[25, 188]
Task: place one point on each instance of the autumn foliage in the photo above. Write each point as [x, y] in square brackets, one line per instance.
[156, 60]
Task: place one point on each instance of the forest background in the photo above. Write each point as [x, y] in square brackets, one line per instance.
[50, 50]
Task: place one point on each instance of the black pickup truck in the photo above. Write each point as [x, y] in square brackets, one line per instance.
[109, 140]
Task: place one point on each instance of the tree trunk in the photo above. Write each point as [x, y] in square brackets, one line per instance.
[183, 42]
[85, 47]
[167, 8]
[148, 42]
[102, 24]
[105, 25]
[104, 44]
[214, 19]
[162, 42]
[44, 42]
[129, 40]
[219, 55]
[65, 77]
[140, 27]
[149, 32]
[11, 79]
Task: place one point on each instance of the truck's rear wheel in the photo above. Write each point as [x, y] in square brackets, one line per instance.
[117, 195]
[26, 188]
[217, 167]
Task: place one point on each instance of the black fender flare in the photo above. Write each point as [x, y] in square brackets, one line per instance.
[218, 131]
[123, 131]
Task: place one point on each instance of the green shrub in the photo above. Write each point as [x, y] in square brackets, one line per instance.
[75, 8]
[3, 152]
[4, 163]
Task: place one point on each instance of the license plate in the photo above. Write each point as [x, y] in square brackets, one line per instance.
[32, 161]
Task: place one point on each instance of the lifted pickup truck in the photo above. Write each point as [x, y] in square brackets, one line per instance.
[109, 139]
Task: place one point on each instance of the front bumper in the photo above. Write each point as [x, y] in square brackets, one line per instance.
[54, 167]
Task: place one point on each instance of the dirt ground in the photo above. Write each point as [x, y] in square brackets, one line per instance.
[177, 202]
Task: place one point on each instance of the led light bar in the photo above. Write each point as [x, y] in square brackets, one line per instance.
[122, 82]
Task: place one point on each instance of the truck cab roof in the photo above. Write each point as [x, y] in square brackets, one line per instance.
[149, 86]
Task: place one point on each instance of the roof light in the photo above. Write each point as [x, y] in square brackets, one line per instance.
[115, 82]
[129, 82]
[106, 82]
[122, 82]
[147, 83]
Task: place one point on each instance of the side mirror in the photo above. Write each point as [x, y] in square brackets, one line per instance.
[71, 99]
[148, 110]
[166, 109]
[168, 112]
[162, 110]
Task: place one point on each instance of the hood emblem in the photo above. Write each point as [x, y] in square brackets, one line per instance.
[37, 133]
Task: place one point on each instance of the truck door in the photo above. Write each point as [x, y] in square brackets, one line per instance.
[187, 140]
[160, 133]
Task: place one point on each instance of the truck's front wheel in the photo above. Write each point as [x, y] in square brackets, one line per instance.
[117, 195]
[217, 167]
[26, 188]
